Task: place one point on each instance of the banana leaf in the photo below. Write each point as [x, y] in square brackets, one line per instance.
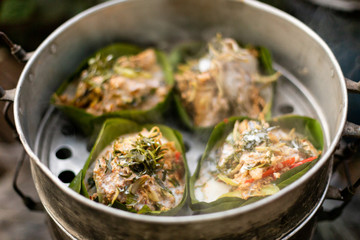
[88, 122]
[113, 128]
[194, 50]
[306, 126]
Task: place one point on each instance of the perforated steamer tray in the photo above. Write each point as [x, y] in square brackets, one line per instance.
[62, 148]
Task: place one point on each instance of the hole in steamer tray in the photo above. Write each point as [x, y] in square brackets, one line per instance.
[63, 153]
[66, 176]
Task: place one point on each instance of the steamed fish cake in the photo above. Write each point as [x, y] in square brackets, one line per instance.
[224, 82]
[141, 171]
[112, 84]
[252, 156]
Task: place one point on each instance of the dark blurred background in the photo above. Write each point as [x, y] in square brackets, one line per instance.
[29, 22]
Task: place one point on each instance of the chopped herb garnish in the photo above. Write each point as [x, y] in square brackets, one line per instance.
[91, 181]
[230, 162]
[153, 91]
[144, 209]
[164, 172]
[131, 200]
[125, 175]
[98, 66]
[108, 164]
[200, 186]
[146, 153]
[114, 197]
[174, 182]
[161, 184]
[158, 206]
[254, 138]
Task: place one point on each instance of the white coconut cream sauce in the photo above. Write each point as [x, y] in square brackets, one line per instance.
[207, 189]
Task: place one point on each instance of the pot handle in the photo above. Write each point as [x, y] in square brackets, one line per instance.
[28, 201]
[352, 129]
[21, 56]
[345, 195]
[352, 86]
[16, 50]
[7, 95]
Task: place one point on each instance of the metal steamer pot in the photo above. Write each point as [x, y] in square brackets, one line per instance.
[313, 84]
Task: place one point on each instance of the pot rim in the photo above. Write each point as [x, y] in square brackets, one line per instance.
[193, 218]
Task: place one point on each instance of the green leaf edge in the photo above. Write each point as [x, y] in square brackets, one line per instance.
[115, 127]
[89, 123]
[311, 129]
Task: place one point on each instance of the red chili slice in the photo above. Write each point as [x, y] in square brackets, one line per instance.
[251, 180]
[304, 161]
[177, 156]
[287, 163]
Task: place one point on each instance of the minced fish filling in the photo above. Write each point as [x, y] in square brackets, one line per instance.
[124, 83]
[223, 83]
[253, 155]
[141, 169]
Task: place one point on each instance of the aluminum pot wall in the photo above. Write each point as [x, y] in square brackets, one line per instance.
[163, 23]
